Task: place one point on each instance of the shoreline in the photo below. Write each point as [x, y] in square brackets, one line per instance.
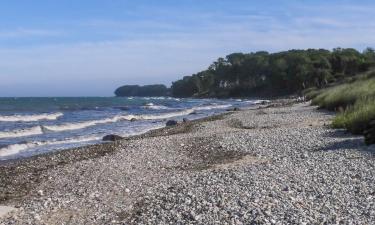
[269, 158]
[33, 165]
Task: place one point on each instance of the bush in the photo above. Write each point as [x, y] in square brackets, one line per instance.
[357, 117]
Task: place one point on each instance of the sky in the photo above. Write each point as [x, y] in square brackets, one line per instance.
[90, 47]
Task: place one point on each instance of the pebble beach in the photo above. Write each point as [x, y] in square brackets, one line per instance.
[264, 165]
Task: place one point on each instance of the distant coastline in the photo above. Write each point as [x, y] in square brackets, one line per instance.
[264, 74]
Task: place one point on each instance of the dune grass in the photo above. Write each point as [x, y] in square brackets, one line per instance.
[345, 95]
[357, 117]
[354, 102]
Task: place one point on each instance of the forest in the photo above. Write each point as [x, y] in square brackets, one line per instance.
[142, 91]
[274, 74]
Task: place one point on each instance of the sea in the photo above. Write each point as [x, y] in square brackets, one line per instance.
[31, 126]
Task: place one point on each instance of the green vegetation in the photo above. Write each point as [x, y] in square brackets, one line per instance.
[357, 117]
[147, 90]
[275, 74]
[354, 101]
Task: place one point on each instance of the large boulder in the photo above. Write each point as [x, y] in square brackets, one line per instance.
[112, 137]
[370, 133]
[171, 123]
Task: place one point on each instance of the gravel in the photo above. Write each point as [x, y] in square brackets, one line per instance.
[275, 165]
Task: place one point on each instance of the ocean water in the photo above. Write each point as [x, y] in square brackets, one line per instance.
[30, 126]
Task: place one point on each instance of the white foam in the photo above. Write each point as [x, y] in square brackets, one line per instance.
[159, 116]
[29, 118]
[258, 101]
[210, 107]
[154, 107]
[22, 132]
[17, 148]
[81, 125]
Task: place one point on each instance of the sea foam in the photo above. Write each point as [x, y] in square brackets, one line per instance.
[30, 118]
[81, 125]
[210, 107]
[21, 132]
[160, 116]
[19, 147]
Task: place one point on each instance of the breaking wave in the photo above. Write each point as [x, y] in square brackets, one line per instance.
[19, 147]
[210, 107]
[160, 116]
[81, 125]
[29, 118]
[155, 107]
[22, 132]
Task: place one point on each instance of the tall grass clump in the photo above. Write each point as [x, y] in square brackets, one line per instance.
[311, 93]
[357, 117]
[345, 95]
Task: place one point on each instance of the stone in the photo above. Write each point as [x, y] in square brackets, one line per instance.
[112, 137]
[171, 123]
[4, 210]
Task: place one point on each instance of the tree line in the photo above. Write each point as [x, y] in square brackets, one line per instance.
[272, 74]
[143, 91]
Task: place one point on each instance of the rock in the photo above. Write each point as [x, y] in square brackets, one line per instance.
[234, 109]
[133, 119]
[112, 137]
[4, 210]
[171, 123]
[123, 108]
[193, 113]
[185, 120]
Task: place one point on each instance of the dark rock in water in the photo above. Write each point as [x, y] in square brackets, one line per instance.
[171, 123]
[370, 133]
[185, 120]
[193, 113]
[234, 109]
[133, 119]
[123, 108]
[112, 137]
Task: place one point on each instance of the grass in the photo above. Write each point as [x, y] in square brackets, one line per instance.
[357, 117]
[342, 96]
[354, 101]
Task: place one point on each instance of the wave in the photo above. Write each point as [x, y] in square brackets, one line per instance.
[81, 125]
[154, 107]
[258, 101]
[210, 107]
[29, 118]
[159, 116]
[19, 147]
[22, 132]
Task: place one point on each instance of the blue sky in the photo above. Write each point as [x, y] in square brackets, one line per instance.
[90, 47]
